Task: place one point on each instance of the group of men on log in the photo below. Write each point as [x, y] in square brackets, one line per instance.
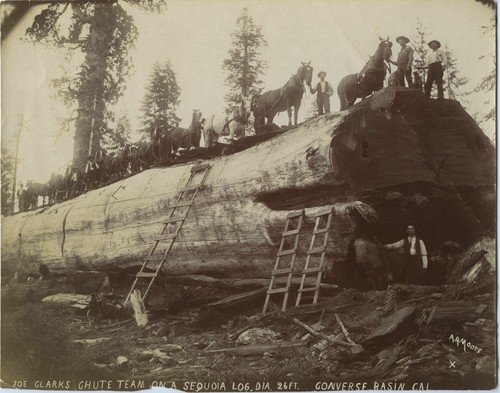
[165, 141]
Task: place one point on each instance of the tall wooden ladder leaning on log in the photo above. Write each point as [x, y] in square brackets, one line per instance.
[292, 219]
[172, 227]
[325, 216]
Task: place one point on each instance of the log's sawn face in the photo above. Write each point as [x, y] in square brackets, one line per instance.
[234, 226]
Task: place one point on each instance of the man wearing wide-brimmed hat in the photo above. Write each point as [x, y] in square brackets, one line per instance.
[324, 90]
[405, 61]
[436, 63]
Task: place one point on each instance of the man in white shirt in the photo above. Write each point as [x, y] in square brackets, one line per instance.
[90, 172]
[436, 63]
[415, 255]
[325, 91]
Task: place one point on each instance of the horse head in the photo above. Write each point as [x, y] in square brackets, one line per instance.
[384, 48]
[253, 102]
[305, 73]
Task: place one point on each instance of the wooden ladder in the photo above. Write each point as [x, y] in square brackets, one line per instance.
[291, 253]
[312, 253]
[173, 221]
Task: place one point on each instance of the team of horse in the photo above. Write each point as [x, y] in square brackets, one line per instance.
[165, 143]
[368, 263]
[104, 168]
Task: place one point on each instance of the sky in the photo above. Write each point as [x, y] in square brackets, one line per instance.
[337, 36]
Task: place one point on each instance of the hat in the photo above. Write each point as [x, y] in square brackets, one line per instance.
[402, 37]
[435, 41]
[321, 72]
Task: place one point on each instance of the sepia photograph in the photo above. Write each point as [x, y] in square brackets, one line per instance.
[248, 195]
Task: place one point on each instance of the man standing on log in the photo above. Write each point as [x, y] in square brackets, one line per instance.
[405, 61]
[436, 63]
[90, 172]
[415, 255]
[325, 91]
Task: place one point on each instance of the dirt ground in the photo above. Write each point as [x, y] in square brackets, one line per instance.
[406, 337]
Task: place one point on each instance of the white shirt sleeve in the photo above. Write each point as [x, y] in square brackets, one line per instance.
[423, 250]
[395, 246]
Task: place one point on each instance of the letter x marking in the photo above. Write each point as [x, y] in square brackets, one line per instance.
[452, 364]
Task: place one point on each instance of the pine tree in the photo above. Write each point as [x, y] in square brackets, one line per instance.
[119, 135]
[453, 83]
[488, 83]
[419, 44]
[161, 99]
[7, 175]
[312, 110]
[244, 66]
[104, 33]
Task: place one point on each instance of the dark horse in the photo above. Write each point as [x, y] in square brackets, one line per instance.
[184, 138]
[279, 100]
[370, 79]
[117, 165]
[34, 190]
[60, 186]
[141, 156]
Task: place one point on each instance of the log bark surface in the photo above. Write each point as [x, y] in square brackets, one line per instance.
[235, 224]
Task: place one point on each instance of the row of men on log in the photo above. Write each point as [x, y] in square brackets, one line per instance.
[167, 141]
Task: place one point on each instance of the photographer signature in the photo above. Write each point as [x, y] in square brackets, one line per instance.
[464, 343]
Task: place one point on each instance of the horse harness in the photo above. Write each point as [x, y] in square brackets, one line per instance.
[183, 136]
[282, 90]
[236, 117]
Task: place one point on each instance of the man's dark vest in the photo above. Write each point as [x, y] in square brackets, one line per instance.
[328, 87]
[407, 246]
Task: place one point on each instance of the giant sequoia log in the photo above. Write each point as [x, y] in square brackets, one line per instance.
[409, 157]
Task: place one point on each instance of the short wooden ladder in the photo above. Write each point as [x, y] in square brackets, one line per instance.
[315, 252]
[172, 226]
[293, 219]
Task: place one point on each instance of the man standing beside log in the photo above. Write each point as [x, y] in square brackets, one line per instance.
[415, 255]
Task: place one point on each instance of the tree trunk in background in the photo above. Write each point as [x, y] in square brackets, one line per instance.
[91, 103]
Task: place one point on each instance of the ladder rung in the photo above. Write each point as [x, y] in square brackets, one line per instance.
[280, 272]
[181, 204]
[155, 258]
[191, 188]
[291, 232]
[146, 275]
[285, 252]
[174, 219]
[309, 289]
[312, 270]
[316, 250]
[295, 214]
[322, 212]
[277, 290]
[168, 236]
[323, 230]
[200, 167]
